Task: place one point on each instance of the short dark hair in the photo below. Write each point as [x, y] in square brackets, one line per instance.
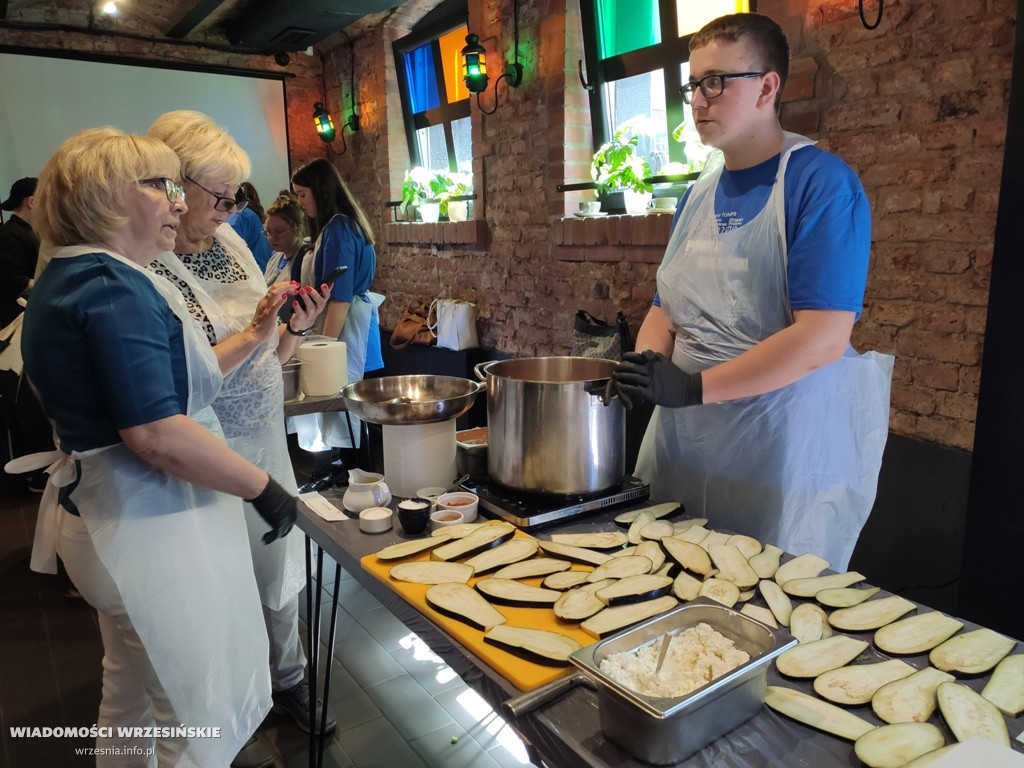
[763, 35]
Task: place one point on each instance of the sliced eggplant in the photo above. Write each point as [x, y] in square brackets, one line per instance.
[800, 567]
[509, 592]
[666, 569]
[462, 602]
[972, 652]
[581, 603]
[747, 545]
[816, 713]
[856, 683]
[721, 591]
[811, 586]
[764, 615]
[597, 540]
[819, 656]
[910, 699]
[694, 534]
[620, 568]
[969, 714]
[1006, 687]
[575, 554]
[483, 538]
[691, 557]
[846, 597]
[778, 601]
[808, 622]
[534, 567]
[685, 586]
[512, 551]
[746, 594]
[621, 616]
[714, 539]
[916, 634]
[564, 580]
[893, 746]
[409, 548]
[927, 759]
[656, 511]
[870, 615]
[538, 645]
[635, 589]
[455, 531]
[732, 565]
[766, 562]
[625, 551]
[641, 520]
[656, 530]
[431, 572]
[683, 525]
[652, 550]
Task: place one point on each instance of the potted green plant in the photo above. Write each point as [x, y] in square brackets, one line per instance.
[617, 165]
[425, 189]
[455, 184]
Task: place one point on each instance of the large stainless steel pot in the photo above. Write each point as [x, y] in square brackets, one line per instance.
[548, 430]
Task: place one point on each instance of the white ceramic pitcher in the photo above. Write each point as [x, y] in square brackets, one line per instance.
[365, 490]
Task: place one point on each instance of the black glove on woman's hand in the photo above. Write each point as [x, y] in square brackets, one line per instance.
[278, 507]
[653, 377]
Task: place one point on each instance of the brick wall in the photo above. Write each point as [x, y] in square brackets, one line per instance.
[918, 107]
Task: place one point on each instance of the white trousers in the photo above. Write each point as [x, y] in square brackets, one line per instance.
[132, 693]
[287, 660]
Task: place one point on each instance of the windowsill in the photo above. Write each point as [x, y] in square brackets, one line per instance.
[640, 238]
[439, 233]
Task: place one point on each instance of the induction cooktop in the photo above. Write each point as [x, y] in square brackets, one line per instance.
[528, 510]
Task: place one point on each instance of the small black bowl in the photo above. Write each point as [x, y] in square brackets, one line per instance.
[414, 519]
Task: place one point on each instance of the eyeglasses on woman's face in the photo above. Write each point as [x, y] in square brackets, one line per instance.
[712, 85]
[225, 204]
[170, 187]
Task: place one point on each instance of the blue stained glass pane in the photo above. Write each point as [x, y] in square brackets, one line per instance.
[419, 71]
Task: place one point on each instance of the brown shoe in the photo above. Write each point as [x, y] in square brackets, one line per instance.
[253, 755]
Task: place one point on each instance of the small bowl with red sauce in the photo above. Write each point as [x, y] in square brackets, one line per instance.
[460, 501]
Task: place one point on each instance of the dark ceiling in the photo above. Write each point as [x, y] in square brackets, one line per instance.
[258, 26]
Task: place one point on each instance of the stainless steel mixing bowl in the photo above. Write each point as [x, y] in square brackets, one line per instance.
[410, 399]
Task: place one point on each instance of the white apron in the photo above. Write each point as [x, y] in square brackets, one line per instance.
[797, 467]
[320, 431]
[177, 553]
[250, 407]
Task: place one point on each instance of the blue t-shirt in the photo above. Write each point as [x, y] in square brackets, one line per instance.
[249, 226]
[828, 225]
[342, 242]
[103, 349]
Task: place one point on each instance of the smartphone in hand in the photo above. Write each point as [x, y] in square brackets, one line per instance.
[329, 279]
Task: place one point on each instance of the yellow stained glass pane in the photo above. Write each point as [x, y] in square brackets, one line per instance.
[451, 45]
[694, 14]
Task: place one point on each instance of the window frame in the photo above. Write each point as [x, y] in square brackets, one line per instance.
[666, 56]
[447, 112]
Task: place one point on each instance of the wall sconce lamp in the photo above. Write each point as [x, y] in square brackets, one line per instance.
[474, 66]
[322, 118]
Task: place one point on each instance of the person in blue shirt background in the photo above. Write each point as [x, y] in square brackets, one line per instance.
[248, 223]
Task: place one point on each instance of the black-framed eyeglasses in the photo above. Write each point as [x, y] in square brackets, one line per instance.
[712, 85]
[225, 204]
[172, 188]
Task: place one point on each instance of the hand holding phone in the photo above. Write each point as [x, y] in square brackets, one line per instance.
[329, 279]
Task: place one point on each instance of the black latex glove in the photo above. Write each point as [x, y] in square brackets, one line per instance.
[278, 507]
[653, 377]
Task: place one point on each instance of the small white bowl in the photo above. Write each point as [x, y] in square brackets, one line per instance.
[375, 520]
[461, 501]
[443, 517]
[431, 493]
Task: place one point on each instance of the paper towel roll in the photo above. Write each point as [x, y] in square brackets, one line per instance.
[417, 455]
[324, 369]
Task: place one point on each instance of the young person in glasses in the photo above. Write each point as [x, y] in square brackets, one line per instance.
[227, 294]
[769, 423]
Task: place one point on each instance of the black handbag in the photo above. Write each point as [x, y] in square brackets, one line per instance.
[592, 337]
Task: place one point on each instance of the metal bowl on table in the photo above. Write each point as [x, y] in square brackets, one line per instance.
[410, 399]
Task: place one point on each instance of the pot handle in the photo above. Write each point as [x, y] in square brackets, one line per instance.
[545, 694]
[480, 370]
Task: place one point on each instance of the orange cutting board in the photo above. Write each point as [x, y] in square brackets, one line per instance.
[525, 675]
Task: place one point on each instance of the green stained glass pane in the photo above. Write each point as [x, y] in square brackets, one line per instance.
[627, 25]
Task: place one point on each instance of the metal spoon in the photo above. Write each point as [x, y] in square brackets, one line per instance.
[665, 640]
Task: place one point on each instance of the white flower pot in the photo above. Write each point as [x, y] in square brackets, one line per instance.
[432, 211]
[636, 202]
[458, 210]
